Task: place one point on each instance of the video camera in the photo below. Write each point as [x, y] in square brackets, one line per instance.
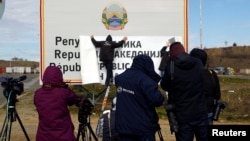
[85, 109]
[220, 105]
[172, 118]
[13, 85]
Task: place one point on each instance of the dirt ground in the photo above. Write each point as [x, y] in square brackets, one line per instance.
[29, 118]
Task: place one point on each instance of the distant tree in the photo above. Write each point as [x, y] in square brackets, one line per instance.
[234, 45]
[18, 59]
[14, 59]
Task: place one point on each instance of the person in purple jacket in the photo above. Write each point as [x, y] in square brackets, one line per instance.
[52, 101]
[137, 97]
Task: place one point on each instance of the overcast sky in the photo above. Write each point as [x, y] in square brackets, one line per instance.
[224, 22]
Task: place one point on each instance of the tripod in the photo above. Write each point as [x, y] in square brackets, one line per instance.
[10, 117]
[85, 130]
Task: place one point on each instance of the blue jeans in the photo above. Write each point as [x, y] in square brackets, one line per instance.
[210, 118]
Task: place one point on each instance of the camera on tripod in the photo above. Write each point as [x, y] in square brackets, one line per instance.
[12, 85]
[12, 88]
[220, 105]
[172, 118]
[85, 109]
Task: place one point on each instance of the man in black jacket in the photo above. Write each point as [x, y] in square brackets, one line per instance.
[211, 82]
[183, 79]
[107, 49]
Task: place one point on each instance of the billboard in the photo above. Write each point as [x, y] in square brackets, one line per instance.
[148, 24]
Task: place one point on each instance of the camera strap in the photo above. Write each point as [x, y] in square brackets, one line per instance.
[170, 98]
[177, 59]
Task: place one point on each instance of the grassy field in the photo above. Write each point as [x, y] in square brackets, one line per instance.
[235, 92]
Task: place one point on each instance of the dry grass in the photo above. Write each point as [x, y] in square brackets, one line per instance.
[234, 57]
[235, 109]
[236, 93]
[27, 112]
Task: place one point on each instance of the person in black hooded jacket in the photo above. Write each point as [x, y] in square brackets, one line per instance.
[107, 49]
[137, 97]
[211, 82]
[183, 79]
[164, 58]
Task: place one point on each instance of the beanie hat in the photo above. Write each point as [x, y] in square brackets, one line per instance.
[176, 48]
[200, 54]
[114, 104]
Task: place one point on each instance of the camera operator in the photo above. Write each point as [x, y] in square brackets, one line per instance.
[52, 101]
[183, 79]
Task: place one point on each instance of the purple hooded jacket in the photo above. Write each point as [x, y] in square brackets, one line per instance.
[52, 101]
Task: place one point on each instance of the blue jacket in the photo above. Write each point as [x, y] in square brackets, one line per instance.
[137, 97]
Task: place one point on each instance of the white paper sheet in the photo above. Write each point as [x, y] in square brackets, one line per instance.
[89, 62]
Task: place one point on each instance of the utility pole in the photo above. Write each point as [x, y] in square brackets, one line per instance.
[201, 24]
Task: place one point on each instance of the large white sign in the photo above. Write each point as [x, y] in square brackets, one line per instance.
[148, 24]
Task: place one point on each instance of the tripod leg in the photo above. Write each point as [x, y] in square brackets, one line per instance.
[81, 131]
[9, 125]
[92, 132]
[3, 131]
[6, 129]
[21, 124]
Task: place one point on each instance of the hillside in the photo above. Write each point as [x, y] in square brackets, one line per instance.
[31, 64]
[234, 57]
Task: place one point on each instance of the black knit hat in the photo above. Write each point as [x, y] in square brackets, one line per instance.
[199, 53]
